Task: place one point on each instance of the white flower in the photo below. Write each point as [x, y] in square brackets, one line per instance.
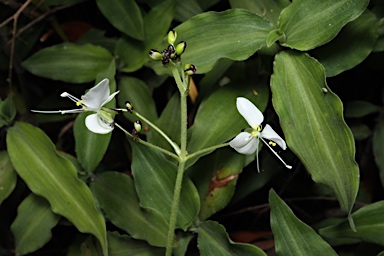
[248, 142]
[102, 121]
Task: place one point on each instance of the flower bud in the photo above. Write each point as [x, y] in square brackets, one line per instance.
[155, 55]
[137, 126]
[180, 47]
[189, 69]
[172, 35]
[129, 106]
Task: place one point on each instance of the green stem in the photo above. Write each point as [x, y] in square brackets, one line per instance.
[203, 151]
[173, 144]
[183, 158]
[148, 144]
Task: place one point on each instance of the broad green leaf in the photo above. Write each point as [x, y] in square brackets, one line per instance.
[213, 240]
[350, 47]
[123, 245]
[217, 119]
[132, 53]
[69, 62]
[268, 9]
[155, 179]
[8, 176]
[233, 34]
[168, 122]
[91, 147]
[137, 93]
[313, 124]
[53, 177]
[187, 9]
[292, 236]
[97, 37]
[117, 197]
[37, 212]
[360, 108]
[369, 223]
[308, 24]
[378, 152]
[125, 15]
[215, 177]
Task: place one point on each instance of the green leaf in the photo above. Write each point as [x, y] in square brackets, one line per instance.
[213, 240]
[268, 9]
[119, 245]
[117, 197]
[8, 110]
[133, 53]
[8, 176]
[155, 179]
[233, 34]
[91, 147]
[360, 108]
[368, 222]
[69, 62]
[97, 37]
[83, 245]
[377, 146]
[138, 94]
[351, 46]
[187, 9]
[313, 124]
[53, 177]
[168, 122]
[217, 119]
[292, 236]
[361, 131]
[125, 15]
[37, 212]
[217, 183]
[308, 24]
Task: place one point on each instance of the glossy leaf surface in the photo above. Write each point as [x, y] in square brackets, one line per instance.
[69, 62]
[53, 177]
[304, 31]
[313, 124]
[37, 212]
[292, 236]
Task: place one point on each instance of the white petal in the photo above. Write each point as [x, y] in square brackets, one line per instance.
[244, 143]
[270, 134]
[96, 125]
[110, 98]
[249, 111]
[98, 94]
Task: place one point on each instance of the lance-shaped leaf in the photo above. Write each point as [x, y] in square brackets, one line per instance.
[53, 177]
[155, 178]
[369, 222]
[90, 147]
[117, 197]
[213, 240]
[8, 176]
[125, 15]
[308, 24]
[351, 46]
[311, 116]
[37, 212]
[234, 34]
[69, 62]
[292, 236]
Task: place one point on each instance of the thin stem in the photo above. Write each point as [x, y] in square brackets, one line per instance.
[286, 165]
[183, 158]
[148, 144]
[203, 151]
[173, 144]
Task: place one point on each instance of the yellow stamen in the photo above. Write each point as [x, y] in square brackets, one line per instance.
[257, 128]
[272, 143]
[79, 103]
[255, 133]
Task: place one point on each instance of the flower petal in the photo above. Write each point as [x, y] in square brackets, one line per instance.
[97, 95]
[249, 111]
[244, 143]
[96, 125]
[109, 98]
[270, 134]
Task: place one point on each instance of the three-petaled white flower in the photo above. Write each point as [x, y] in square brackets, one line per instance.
[102, 121]
[247, 142]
